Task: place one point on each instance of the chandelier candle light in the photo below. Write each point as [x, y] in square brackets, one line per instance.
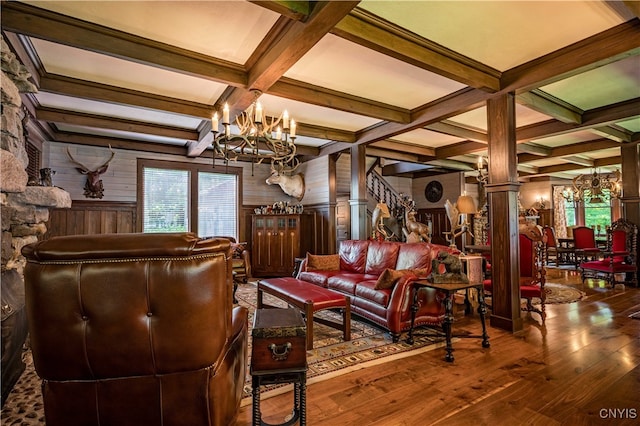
[595, 187]
[255, 139]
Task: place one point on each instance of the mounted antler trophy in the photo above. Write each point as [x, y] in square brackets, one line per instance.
[291, 185]
[93, 188]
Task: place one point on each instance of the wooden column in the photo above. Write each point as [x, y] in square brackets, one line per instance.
[333, 191]
[630, 154]
[502, 191]
[358, 201]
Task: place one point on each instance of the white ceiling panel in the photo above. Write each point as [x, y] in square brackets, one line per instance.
[346, 67]
[84, 65]
[52, 100]
[501, 34]
[229, 30]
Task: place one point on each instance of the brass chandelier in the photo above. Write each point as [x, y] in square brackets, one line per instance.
[259, 138]
[595, 187]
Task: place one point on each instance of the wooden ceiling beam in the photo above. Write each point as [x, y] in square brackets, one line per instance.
[316, 95]
[460, 148]
[100, 122]
[392, 155]
[452, 128]
[544, 103]
[373, 32]
[586, 162]
[68, 86]
[118, 143]
[286, 43]
[572, 149]
[402, 168]
[295, 42]
[294, 10]
[565, 167]
[609, 46]
[614, 133]
[591, 118]
[40, 23]
[392, 145]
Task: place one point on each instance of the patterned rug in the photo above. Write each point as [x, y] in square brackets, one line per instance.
[560, 293]
[330, 357]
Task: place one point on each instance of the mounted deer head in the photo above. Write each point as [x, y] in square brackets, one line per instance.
[93, 187]
[291, 185]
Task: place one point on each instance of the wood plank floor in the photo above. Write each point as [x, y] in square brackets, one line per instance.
[582, 367]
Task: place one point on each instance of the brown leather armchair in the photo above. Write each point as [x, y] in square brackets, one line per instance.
[136, 329]
[240, 260]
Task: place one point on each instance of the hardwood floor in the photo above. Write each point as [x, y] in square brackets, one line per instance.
[582, 367]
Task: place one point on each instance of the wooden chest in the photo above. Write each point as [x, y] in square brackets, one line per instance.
[279, 340]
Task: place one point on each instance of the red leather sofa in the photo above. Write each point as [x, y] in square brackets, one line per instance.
[362, 263]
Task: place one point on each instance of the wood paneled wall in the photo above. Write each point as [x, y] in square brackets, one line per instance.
[92, 217]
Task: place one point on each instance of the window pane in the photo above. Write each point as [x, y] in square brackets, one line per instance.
[597, 215]
[217, 205]
[570, 213]
[166, 200]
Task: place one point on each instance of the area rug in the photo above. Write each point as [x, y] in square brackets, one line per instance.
[330, 357]
[555, 294]
[561, 293]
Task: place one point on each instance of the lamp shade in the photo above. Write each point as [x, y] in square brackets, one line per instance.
[465, 204]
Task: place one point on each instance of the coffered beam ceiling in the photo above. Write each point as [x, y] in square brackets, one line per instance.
[302, 25]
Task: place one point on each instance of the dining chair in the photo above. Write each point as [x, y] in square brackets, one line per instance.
[584, 243]
[560, 253]
[532, 272]
[620, 259]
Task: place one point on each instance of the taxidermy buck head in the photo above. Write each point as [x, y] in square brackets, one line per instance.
[291, 185]
[93, 187]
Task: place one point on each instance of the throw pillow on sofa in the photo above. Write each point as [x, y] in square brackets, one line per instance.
[323, 262]
[237, 249]
[388, 278]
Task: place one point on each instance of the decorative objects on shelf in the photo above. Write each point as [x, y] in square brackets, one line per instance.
[595, 187]
[280, 207]
[457, 217]
[255, 139]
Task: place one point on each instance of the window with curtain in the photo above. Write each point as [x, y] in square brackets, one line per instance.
[181, 197]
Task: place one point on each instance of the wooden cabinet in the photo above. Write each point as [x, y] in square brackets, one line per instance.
[277, 240]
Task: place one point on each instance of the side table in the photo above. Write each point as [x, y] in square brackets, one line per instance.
[449, 289]
[279, 355]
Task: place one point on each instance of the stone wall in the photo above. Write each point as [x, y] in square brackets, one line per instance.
[25, 206]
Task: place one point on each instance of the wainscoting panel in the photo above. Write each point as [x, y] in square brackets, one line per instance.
[92, 217]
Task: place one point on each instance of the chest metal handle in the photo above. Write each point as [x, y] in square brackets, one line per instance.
[280, 352]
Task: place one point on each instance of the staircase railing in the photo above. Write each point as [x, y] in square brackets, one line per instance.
[382, 192]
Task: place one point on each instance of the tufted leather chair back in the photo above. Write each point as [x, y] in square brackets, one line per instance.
[133, 329]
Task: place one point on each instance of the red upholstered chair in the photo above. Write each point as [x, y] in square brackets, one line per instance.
[555, 251]
[620, 257]
[532, 272]
[584, 243]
